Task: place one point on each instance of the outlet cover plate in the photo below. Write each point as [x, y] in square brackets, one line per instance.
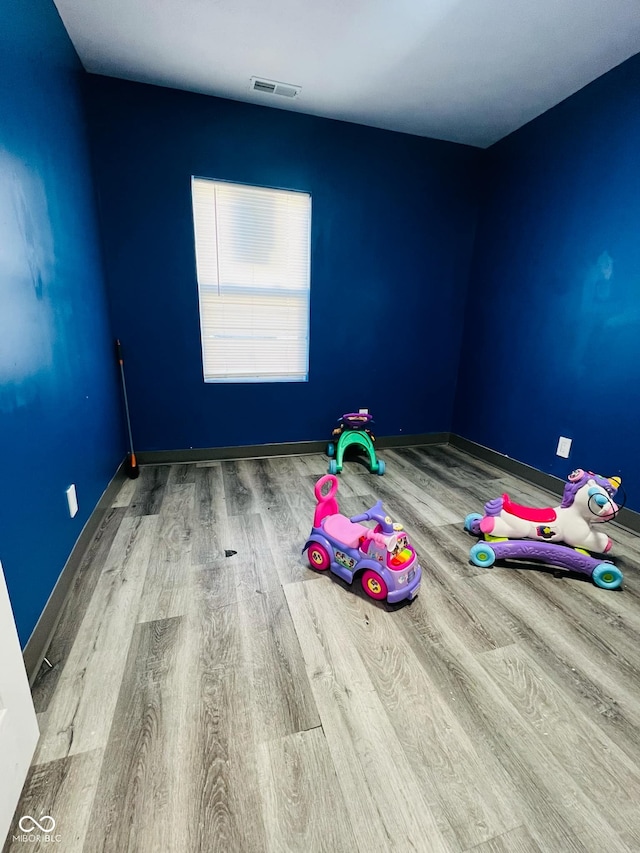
[564, 447]
[72, 500]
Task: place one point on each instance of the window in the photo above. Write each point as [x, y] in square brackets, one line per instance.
[253, 267]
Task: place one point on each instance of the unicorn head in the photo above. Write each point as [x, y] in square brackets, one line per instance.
[591, 495]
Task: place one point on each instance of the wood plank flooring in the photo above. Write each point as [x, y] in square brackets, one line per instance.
[210, 692]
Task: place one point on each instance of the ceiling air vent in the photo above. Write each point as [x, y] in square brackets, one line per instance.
[271, 87]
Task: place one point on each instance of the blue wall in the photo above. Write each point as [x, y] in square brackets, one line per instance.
[59, 404]
[393, 219]
[552, 333]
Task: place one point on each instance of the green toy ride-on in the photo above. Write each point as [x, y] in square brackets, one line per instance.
[353, 430]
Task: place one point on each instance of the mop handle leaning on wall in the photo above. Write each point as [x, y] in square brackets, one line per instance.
[132, 466]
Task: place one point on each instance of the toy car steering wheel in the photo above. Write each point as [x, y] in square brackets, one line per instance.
[376, 513]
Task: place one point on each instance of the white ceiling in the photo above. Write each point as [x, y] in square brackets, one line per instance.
[464, 70]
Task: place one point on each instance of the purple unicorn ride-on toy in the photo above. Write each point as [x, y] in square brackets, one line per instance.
[559, 536]
[381, 556]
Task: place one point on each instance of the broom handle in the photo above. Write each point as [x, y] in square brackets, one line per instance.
[126, 401]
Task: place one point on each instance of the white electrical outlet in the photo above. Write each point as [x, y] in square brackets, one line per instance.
[72, 500]
[564, 447]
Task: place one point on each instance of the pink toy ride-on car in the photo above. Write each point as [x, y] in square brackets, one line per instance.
[381, 556]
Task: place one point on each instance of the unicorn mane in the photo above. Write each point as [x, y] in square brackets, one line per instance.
[572, 488]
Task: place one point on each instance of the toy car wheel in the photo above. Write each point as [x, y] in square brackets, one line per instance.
[381, 467]
[333, 466]
[331, 449]
[318, 557]
[482, 555]
[374, 585]
[607, 576]
[468, 522]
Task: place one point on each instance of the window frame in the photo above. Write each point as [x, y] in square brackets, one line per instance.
[305, 292]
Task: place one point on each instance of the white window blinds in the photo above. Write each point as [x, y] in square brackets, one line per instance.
[253, 266]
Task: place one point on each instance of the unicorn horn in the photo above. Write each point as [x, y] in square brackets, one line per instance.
[615, 482]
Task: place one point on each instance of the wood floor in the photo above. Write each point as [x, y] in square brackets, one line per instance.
[212, 693]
